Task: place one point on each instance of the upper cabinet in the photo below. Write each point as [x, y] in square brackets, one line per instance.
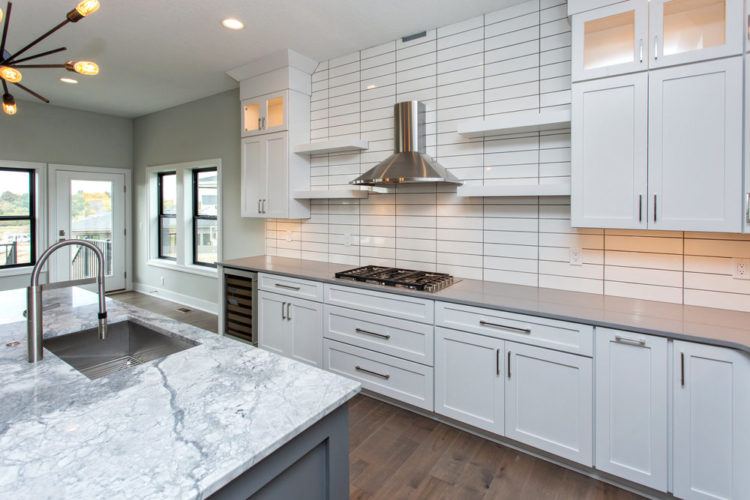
[265, 114]
[636, 35]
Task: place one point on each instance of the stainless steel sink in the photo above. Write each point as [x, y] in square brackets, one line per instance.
[127, 344]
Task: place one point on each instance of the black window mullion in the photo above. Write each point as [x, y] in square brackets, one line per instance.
[197, 216]
[30, 218]
[162, 215]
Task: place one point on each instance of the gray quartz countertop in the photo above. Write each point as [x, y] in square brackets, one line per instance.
[699, 324]
[179, 427]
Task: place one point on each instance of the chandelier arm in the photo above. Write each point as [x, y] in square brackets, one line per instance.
[41, 54]
[5, 86]
[39, 39]
[5, 28]
[38, 65]
[38, 96]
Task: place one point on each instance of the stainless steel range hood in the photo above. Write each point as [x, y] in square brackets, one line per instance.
[408, 164]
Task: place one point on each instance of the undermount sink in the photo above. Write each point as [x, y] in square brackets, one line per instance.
[127, 344]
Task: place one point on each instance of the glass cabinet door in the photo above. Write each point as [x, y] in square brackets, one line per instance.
[694, 30]
[251, 117]
[610, 40]
[275, 113]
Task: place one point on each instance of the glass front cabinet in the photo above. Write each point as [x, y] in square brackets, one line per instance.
[264, 114]
[637, 34]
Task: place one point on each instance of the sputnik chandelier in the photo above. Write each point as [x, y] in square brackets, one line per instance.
[11, 64]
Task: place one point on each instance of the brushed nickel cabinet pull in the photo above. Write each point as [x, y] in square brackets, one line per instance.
[384, 376]
[288, 287]
[497, 361]
[654, 208]
[374, 334]
[507, 368]
[259, 123]
[259, 207]
[640, 50]
[626, 340]
[640, 208]
[264, 123]
[525, 331]
[263, 204]
[283, 305]
[682, 369]
[288, 311]
[656, 47]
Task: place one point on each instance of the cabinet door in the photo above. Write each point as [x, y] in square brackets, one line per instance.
[253, 176]
[609, 134]
[306, 331]
[684, 31]
[469, 378]
[276, 112]
[711, 422]
[610, 40]
[631, 406]
[548, 401]
[695, 147]
[276, 203]
[252, 117]
[273, 329]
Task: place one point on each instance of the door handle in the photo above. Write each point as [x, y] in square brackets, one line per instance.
[640, 50]
[264, 122]
[287, 287]
[640, 208]
[626, 340]
[283, 304]
[259, 123]
[525, 331]
[263, 204]
[259, 207]
[507, 368]
[497, 362]
[682, 369]
[656, 47]
[288, 311]
[654, 208]
[374, 334]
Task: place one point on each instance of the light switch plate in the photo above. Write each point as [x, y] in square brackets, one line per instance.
[576, 256]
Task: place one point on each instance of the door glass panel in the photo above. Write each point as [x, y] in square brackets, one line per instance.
[609, 40]
[252, 116]
[276, 112]
[92, 219]
[693, 25]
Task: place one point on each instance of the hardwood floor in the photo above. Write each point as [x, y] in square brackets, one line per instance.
[396, 454]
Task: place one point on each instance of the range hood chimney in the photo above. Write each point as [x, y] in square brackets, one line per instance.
[408, 164]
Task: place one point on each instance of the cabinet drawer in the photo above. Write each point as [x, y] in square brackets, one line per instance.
[397, 337]
[559, 335]
[396, 378]
[387, 304]
[292, 287]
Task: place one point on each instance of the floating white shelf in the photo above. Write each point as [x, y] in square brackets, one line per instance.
[330, 195]
[526, 121]
[556, 189]
[332, 146]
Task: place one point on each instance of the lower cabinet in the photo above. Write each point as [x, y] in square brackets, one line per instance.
[549, 401]
[292, 327]
[631, 406]
[711, 429]
[469, 380]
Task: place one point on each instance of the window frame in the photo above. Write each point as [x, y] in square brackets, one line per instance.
[32, 217]
[197, 216]
[161, 215]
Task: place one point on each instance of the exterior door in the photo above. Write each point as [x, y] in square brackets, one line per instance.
[90, 206]
[549, 401]
[469, 385]
[695, 147]
[305, 320]
[273, 329]
[609, 135]
[631, 406]
[711, 435]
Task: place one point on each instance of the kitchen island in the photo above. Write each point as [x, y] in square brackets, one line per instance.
[221, 418]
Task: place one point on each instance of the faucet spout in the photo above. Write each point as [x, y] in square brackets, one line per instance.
[34, 321]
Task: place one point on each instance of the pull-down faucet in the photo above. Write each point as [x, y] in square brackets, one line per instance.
[34, 296]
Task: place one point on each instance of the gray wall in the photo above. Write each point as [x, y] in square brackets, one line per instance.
[50, 134]
[199, 130]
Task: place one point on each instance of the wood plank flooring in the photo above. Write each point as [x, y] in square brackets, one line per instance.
[396, 454]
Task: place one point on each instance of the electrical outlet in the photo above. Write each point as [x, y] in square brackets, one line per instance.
[741, 269]
[576, 256]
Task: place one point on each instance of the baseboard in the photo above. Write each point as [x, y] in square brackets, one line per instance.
[178, 298]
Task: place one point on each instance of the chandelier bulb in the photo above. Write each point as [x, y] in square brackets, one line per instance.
[9, 104]
[83, 9]
[86, 68]
[9, 74]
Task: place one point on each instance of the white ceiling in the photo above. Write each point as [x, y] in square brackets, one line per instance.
[155, 54]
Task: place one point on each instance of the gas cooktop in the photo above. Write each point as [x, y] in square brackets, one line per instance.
[402, 278]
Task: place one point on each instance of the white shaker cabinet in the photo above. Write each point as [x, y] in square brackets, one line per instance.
[610, 40]
[711, 429]
[549, 401]
[268, 113]
[695, 147]
[631, 407]
[609, 150]
[469, 378]
[291, 327]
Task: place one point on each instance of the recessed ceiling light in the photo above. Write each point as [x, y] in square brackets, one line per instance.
[68, 80]
[232, 23]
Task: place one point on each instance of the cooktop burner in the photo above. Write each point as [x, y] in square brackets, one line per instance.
[402, 278]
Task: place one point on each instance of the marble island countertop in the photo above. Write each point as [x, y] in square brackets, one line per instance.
[179, 427]
[682, 322]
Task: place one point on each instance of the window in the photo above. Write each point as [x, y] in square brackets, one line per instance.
[205, 216]
[185, 216]
[167, 188]
[17, 217]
